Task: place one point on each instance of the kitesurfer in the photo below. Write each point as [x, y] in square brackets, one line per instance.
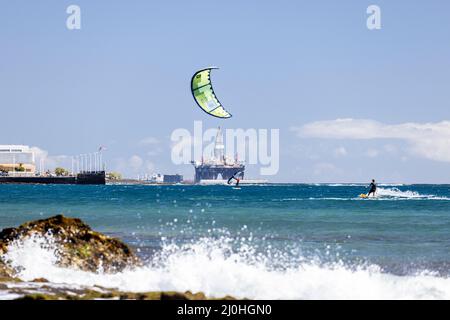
[372, 188]
[236, 177]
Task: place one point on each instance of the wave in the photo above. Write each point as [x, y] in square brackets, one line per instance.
[385, 194]
[355, 184]
[214, 267]
[337, 184]
[310, 198]
[399, 194]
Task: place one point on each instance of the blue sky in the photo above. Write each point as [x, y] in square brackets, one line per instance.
[123, 80]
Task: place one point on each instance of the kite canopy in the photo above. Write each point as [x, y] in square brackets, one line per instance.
[204, 95]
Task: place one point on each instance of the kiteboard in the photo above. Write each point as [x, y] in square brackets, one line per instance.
[365, 196]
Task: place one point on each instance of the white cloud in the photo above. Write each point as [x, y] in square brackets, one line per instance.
[39, 153]
[135, 162]
[46, 162]
[372, 153]
[427, 140]
[149, 166]
[153, 144]
[149, 141]
[325, 168]
[133, 166]
[340, 152]
[390, 148]
[154, 152]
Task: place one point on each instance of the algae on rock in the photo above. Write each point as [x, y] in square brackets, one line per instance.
[78, 246]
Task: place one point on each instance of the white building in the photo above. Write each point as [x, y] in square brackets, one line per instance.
[157, 177]
[17, 158]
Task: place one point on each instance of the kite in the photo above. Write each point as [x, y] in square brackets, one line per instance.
[204, 95]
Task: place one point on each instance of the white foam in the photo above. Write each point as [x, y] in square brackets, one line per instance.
[399, 194]
[382, 194]
[212, 266]
[336, 184]
[6, 295]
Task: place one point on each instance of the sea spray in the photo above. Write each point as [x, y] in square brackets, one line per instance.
[218, 268]
[407, 194]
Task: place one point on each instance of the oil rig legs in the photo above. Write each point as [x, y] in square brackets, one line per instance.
[213, 173]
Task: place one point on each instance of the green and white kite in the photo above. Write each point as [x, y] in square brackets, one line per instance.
[204, 95]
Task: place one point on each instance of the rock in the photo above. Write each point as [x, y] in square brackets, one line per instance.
[5, 271]
[92, 295]
[78, 245]
[38, 296]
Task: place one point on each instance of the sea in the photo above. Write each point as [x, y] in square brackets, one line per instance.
[274, 241]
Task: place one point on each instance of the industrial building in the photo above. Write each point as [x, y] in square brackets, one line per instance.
[172, 178]
[17, 158]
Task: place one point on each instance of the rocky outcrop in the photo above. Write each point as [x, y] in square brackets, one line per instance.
[78, 245]
[92, 294]
[5, 272]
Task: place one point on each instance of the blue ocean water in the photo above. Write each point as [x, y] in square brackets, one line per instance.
[404, 231]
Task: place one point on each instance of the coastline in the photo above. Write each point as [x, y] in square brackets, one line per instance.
[41, 289]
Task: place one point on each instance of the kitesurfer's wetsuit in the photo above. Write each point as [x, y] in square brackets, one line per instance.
[373, 189]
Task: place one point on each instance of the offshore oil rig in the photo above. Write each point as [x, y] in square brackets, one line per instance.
[218, 167]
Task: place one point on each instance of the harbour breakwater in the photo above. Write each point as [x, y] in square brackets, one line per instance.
[76, 247]
[93, 178]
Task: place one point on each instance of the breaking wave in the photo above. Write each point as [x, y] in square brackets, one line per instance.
[399, 194]
[382, 194]
[218, 268]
